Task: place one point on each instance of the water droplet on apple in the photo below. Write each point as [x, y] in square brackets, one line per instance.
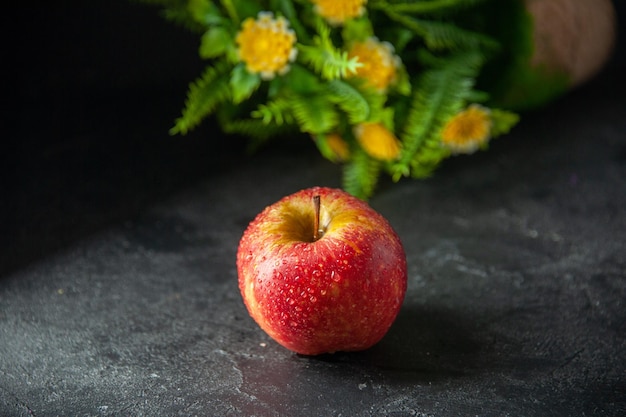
[323, 292]
[313, 299]
[291, 301]
[316, 273]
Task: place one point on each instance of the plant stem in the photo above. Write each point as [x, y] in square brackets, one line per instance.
[316, 219]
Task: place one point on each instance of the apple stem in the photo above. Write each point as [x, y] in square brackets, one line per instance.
[316, 219]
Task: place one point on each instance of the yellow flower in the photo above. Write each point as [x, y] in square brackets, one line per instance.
[468, 130]
[338, 146]
[266, 45]
[336, 12]
[378, 61]
[377, 141]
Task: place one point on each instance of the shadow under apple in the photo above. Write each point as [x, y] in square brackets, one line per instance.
[426, 344]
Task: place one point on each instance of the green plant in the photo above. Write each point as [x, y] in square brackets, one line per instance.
[381, 86]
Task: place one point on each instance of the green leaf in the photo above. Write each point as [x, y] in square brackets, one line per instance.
[242, 9]
[329, 63]
[321, 141]
[350, 100]
[203, 97]
[243, 83]
[325, 59]
[291, 14]
[439, 35]
[301, 80]
[205, 12]
[214, 42]
[277, 111]
[403, 81]
[314, 113]
[256, 130]
[503, 121]
[387, 118]
[439, 94]
[357, 30]
[424, 7]
[360, 175]
[430, 156]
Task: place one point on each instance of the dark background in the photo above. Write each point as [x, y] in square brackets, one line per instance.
[89, 91]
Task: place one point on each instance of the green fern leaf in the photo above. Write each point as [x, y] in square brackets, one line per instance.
[256, 130]
[440, 93]
[314, 113]
[430, 156]
[277, 111]
[426, 7]
[325, 59]
[351, 101]
[441, 35]
[361, 174]
[203, 97]
[331, 64]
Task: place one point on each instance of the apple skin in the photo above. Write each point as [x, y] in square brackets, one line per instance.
[340, 292]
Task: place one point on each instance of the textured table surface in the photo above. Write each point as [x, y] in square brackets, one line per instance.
[516, 301]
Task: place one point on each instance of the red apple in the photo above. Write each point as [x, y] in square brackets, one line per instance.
[325, 277]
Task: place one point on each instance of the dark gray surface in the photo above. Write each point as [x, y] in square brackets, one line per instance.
[118, 292]
[515, 302]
